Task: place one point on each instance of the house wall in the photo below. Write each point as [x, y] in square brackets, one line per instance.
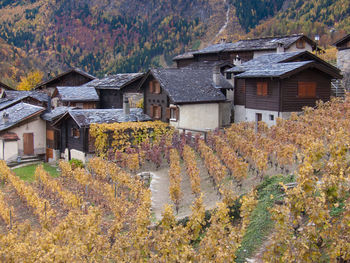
[150, 99]
[254, 101]
[294, 48]
[239, 113]
[225, 113]
[36, 126]
[289, 88]
[71, 79]
[8, 150]
[239, 98]
[67, 140]
[265, 114]
[343, 63]
[198, 116]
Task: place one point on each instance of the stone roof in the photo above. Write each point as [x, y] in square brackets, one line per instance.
[55, 113]
[187, 85]
[5, 102]
[77, 93]
[117, 81]
[18, 113]
[21, 94]
[279, 64]
[84, 118]
[273, 70]
[267, 43]
[186, 55]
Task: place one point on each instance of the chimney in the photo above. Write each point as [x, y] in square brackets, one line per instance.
[222, 41]
[216, 76]
[280, 47]
[126, 106]
[5, 116]
[237, 61]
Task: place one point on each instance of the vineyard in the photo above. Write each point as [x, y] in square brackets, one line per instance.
[299, 184]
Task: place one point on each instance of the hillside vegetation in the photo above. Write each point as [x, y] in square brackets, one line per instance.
[105, 37]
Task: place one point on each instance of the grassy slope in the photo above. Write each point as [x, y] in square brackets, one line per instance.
[26, 173]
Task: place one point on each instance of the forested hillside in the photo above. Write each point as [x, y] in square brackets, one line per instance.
[110, 36]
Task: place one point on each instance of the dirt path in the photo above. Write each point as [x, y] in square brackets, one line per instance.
[160, 190]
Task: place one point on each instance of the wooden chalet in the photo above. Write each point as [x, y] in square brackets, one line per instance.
[275, 85]
[83, 97]
[246, 49]
[72, 77]
[75, 140]
[187, 98]
[113, 89]
[343, 60]
[11, 97]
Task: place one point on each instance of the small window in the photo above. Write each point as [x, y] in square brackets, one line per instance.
[174, 113]
[157, 112]
[271, 117]
[300, 44]
[307, 89]
[261, 89]
[228, 75]
[75, 133]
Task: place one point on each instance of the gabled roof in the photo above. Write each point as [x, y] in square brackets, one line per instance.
[342, 40]
[16, 94]
[76, 70]
[55, 113]
[117, 81]
[18, 113]
[208, 65]
[84, 118]
[278, 58]
[78, 93]
[4, 86]
[284, 70]
[187, 85]
[266, 43]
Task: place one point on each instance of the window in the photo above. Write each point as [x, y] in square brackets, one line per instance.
[271, 117]
[75, 133]
[172, 113]
[261, 89]
[228, 75]
[300, 43]
[154, 87]
[156, 112]
[306, 89]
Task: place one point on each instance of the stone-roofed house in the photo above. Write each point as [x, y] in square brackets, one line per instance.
[22, 131]
[112, 89]
[11, 97]
[275, 85]
[83, 97]
[75, 139]
[343, 59]
[72, 77]
[246, 49]
[187, 98]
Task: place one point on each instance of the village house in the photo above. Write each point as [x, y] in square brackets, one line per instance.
[73, 77]
[187, 98]
[75, 140]
[343, 59]
[22, 131]
[113, 89]
[246, 49]
[3, 88]
[275, 85]
[83, 97]
[11, 97]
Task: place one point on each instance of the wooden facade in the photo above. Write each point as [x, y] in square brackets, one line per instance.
[156, 102]
[113, 98]
[282, 94]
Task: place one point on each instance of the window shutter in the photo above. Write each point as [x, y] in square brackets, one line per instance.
[177, 114]
[151, 86]
[159, 112]
[167, 114]
[264, 93]
[156, 87]
[306, 89]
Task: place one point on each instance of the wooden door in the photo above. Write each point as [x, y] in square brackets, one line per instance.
[28, 144]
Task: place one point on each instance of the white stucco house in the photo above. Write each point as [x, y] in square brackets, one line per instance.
[22, 131]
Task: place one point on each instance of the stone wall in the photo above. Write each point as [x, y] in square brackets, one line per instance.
[343, 63]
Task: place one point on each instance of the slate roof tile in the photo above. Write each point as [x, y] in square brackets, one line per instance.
[17, 113]
[190, 85]
[78, 93]
[117, 81]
